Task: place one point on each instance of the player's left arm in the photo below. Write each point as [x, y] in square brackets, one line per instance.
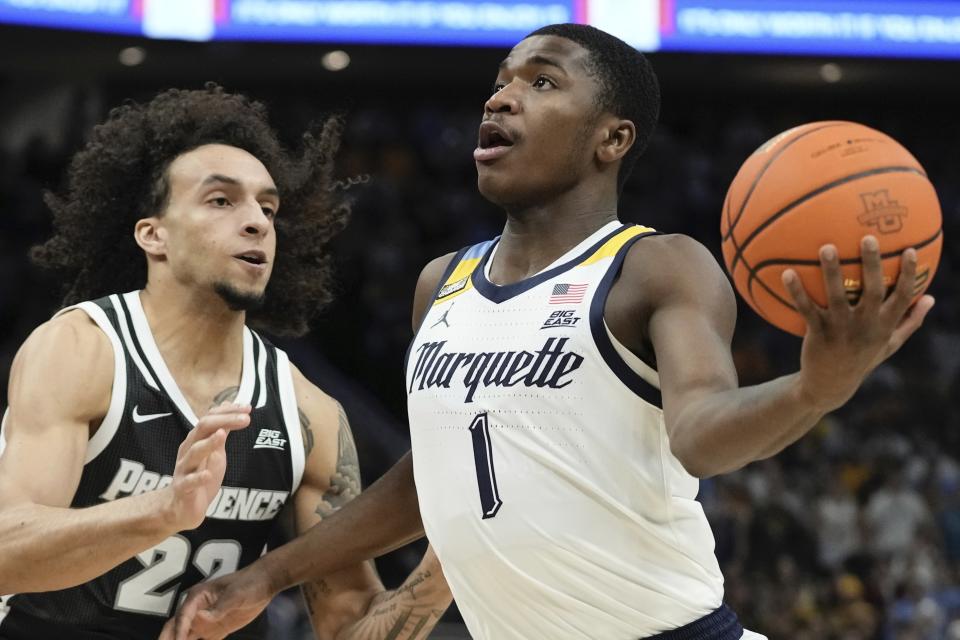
[352, 604]
[673, 296]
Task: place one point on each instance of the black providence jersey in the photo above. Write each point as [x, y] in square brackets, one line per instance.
[135, 450]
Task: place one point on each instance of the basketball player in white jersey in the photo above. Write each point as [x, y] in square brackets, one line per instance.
[152, 438]
[571, 380]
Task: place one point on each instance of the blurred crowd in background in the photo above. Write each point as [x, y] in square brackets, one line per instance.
[851, 534]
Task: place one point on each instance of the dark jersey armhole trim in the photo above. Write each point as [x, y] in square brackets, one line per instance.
[621, 369]
[454, 262]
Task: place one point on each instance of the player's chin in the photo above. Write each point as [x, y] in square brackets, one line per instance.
[496, 186]
[241, 297]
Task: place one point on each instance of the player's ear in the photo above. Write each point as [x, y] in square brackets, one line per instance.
[618, 136]
[150, 235]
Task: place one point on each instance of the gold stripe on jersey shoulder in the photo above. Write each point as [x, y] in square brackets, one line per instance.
[614, 244]
[459, 281]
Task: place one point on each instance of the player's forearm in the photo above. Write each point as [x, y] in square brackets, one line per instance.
[409, 612]
[384, 517]
[48, 548]
[723, 431]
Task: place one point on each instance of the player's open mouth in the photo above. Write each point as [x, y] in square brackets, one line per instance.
[256, 259]
[493, 142]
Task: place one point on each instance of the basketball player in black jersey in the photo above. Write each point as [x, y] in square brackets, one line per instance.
[152, 437]
[572, 108]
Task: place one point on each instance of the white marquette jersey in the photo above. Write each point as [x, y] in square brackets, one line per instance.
[544, 472]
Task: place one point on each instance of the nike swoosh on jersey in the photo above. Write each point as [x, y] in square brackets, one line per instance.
[138, 417]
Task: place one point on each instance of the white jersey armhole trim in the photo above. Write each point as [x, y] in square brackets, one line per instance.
[288, 405]
[261, 373]
[118, 395]
[3, 441]
[4, 609]
[638, 366]
[131, 348]
[248, 373]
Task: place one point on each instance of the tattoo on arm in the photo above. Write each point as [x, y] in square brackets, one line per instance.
[345, 482]
[227, 395]
[402, 614]
[307, 433]
[313, 591]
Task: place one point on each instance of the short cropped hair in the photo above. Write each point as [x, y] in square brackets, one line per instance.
[628, 85]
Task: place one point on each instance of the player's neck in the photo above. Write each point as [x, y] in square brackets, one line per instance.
[534, 237]
[195, 331]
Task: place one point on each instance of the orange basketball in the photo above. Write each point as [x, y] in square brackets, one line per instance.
[825, 183]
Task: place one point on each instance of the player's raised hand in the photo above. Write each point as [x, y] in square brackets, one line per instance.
[201, 464]
[213, 609]
[845, 342]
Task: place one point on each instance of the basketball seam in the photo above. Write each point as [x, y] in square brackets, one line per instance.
[756, 180]
[769, 263]
[810, 195]
[846, 261]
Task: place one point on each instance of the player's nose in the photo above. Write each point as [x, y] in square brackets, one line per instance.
[255, 221]
[506, 100]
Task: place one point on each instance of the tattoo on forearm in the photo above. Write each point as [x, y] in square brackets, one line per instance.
[227, 395]
[345, 483]
[398, 615]
[307, 433]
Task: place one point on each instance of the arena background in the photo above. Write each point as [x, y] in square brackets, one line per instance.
[853, 533]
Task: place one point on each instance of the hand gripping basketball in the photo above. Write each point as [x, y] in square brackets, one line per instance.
[845, 342]
[201, 464]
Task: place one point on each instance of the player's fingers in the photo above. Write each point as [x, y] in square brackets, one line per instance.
[167, 633]
[199, 451]
[229, 407]
[187, 612]
[193, 481]
[873, 289]
[210, 424]
[801, 301]
[899, 302]
[208, 621]
[832, 278]
[910, 323]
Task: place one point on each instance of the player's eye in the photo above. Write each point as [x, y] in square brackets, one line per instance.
[543, 82]
[268, 211]
[220, 202]
[497, 87]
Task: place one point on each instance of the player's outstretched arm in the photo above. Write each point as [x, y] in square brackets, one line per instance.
[60, 386]
[384, 517]
[682, 296]
[352, 604]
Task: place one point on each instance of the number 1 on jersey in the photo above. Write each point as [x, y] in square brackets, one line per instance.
[483, 458]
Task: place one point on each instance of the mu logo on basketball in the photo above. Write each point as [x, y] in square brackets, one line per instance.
[882, 212]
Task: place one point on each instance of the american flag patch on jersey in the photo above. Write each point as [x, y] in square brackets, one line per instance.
[568, 293]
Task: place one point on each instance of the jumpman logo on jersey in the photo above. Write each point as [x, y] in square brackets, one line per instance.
[443, 318]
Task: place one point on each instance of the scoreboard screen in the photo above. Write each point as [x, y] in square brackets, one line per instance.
[889, 28]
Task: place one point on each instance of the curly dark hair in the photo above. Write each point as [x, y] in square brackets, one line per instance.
[120, 176]
[628, 85]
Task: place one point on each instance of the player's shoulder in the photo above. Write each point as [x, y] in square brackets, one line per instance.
[667, 249]
[671, 262]
[427, 284]
[434, 270]
[71, 337]
[68, 353]
[316, 406]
